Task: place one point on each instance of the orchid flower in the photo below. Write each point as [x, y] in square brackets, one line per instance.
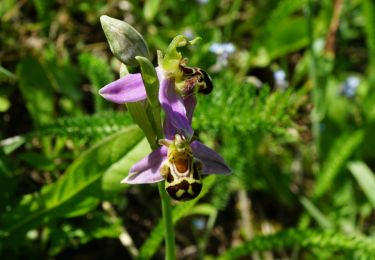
[180, 167]
[147, 170]
[180, 163]
[178, 84]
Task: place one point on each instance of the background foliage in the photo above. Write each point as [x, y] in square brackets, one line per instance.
[300, 146]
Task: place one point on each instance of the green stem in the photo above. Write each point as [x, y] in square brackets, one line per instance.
[368, 11]
[202, 244]
[168, 223]
[147, 116]
[166, 206]
[313, 77]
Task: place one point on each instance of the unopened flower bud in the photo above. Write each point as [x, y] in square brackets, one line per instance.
[125, 42]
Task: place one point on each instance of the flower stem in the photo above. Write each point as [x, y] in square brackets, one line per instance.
[168, 223]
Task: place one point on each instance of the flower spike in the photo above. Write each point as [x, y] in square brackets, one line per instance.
[181, 160]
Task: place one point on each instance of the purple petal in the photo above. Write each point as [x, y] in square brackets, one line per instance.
[174, 107]
[126, 89]
[169, 130]
[212, 161]
[147, 169]
[190, 102]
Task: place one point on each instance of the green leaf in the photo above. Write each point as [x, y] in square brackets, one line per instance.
[6, 6]
[8, 184]
[365, 178]
[98, 72]
[368, 7]
[43, 8]
[66, 78]
[151, 82]
[152, 244]
[10, 144]
[37, 160]
[282, 12]
[82, 207]
[36, 90]
[337, 107]
[81, 181]
[290, 35]
[4, 104]
[6, 75]
[125, 42]
[150, 9]
[119, 170]
[316, 213]
[96, 69]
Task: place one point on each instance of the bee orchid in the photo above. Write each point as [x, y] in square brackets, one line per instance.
[178, 84]
[179, 160]
[180, 163]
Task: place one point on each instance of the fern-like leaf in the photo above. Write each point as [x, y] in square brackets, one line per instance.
[246, 110]
[99, 74]
[339, 154]
[327, 241]
[94, 126]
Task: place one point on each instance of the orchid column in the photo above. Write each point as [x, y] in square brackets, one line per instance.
[180, 160]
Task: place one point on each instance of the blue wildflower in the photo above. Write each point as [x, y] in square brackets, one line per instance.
[349, 88]
[222, 51]
[280, 79]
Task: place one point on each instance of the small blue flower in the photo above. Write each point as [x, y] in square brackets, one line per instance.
[189, 34]
[222, 48]
[202, 2]
[349, 88]
[322, 127]
[280, 79]
[199, 223]
[222, 51]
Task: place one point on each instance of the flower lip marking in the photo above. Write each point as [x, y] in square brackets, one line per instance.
[182, 165]
[181, 170]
